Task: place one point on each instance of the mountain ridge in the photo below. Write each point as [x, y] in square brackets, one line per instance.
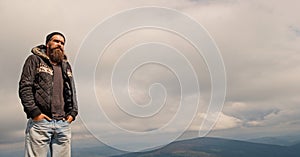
[218, 147]
[288, 140]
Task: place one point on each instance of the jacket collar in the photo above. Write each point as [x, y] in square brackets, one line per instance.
[41, 51]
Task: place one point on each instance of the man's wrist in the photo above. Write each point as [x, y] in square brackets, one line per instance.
[38, 117]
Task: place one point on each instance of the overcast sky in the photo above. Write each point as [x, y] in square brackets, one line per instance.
[258, 40]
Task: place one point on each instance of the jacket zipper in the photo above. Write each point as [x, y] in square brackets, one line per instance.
[51, 92]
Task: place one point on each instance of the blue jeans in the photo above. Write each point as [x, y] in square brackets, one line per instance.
[48, 137]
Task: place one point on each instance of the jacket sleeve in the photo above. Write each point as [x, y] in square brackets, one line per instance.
[26, 87]
[70, 93]
[74, 107]
[74, 110]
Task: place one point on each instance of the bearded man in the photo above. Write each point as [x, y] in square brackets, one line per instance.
[48, 96]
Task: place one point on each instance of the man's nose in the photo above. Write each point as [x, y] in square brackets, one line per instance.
[59, 44]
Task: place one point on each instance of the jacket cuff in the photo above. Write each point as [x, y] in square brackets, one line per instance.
[73, 114]
[35, 113]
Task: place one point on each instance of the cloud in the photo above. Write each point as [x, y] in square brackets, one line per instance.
[248, 112]
[221, 123]
[226, 122]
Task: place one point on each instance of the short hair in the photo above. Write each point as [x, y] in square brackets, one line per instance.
[49, 36]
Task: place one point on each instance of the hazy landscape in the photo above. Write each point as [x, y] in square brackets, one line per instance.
[288, 146]
[217, 147]
[283, 146]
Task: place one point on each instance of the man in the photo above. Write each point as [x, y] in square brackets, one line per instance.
[47, 93]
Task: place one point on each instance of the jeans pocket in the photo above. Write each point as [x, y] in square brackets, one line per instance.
[65, 122]
[39, 121]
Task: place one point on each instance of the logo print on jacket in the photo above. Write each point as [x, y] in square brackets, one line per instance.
[69, 73]
[44, 68]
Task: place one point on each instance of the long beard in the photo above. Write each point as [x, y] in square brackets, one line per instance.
[56, 55]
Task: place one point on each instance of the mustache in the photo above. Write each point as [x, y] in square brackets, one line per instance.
[58, 48]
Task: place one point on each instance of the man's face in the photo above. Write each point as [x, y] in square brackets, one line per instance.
[55, 48]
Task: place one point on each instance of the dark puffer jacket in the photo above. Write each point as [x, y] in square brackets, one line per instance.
[36, 84]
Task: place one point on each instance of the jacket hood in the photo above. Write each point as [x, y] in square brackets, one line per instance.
[41, 51]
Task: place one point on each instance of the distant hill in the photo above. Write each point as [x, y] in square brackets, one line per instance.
[279, 140]
[270, 140]
[217, 147]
